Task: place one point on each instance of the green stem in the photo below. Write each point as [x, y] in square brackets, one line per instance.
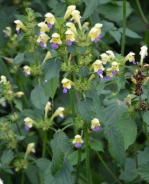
[87, 154]
[67, 126]
[141, 12]
[23, 178]
[66, 2]
[124, 27]
[73, 109]
[44, 144]
[136, 160]
[78, 165]
[146, 132]
[105, 165]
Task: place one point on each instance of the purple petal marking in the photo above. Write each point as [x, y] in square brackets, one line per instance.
[6, 35]
[96, 39]
[54, 45]
[134, 62]
[114, 72]
[69, 42]
[26, 128]
[42, 44]
[100, 36]
[107, 77]
[64, 90]
[127, 103]
[99, 71]
[96, 128]
[18, 31]
[26, 74]
[50, 25]
[78, 145]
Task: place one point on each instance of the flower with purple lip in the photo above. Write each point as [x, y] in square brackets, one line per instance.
[27, 70]
[95, 125]
[19, 25]
[98, 27]
[98, 68]
[43, 27]
[109, 73]
[70, 37]
[128, 100]
[104, 58]
[76, 17]
[78, 141]
[50, 19]
[66, 84]
[56, 40]
[130, 57]
[115, 67]
[7, 32]
[69, 11]
[42, 39]
[28, 123]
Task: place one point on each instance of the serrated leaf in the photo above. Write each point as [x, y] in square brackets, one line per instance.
[86, 109]
[113, 110]
[51, 86]
[73, 157]
[58, 145]
[128, 129]
[39, 98]
[20, 36]
[32, 174]
[143, 171]
[90, 8]
[30, 113]
[84, 71]
[7, 157]
[3, 69]
[22, 18]
[72, 49]
[18, 59]
[115, 144]
[129, 33]
[63, 176]
[143, 156]
[37, 14]
[100, 87]
[18, 104]
[51, 68]
[146, 117]
[116, 35]
[43, 163]
[96, 145]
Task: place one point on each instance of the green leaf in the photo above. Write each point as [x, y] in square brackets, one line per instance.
[96, 145]
[72, 49]
[59, 144]
[73, 157]
[63, 176]
[90, 8]
[39, 98]
[7, 157]
[120, 80]
[37, 14]
[100, 87]
[128, 129]
[20, 36]
[143, 156]
[84, 71]
[18, 59]
[3, 69]
[32, 174]
[18, 104]
[51, 68]
[51, 86]
[43, 163]
[30, 113]
[104, 1]
[129, 33]
[86, 109]
[143, 171]
[146, 117]
[116, 35]
[113, 110]
[115, 144]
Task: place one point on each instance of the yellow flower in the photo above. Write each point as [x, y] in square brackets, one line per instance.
[27, 70]
[3, 79]
[76, 17]
[28, 123]
[130, 57]
[128, 100]
[58, 112]
[95, 125]
[47, 108]
[19, 94]
[42, 39]
[98, 27]
[104, 58]
[1, 181]
[85, 26]
[97, 66]
[7, 32]
[19, 25]
[66, 84]
[143, 53]
[56, 40]
[133, 80]
[3, 102]
[50, 19]
[93, 35]
[43, 27]
[70, 37]
[69, 11]
[78, 141]
[48, 56]
[115, 67]
[71, 26]
[111, 55]
[109, 73]
[30, 148]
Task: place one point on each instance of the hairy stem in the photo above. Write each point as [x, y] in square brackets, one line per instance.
[44, 144]
[23, 178]
[124, 27]
[141, 12]
[78, 165]
[146, 132]
[87, 154]
[105, 165]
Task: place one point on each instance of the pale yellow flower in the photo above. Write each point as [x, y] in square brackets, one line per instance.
[28, 123]
[109, 73]
[110, 54]
[42, 39]
[143, 53]
[70, 37]
[47, 108]
[98, 68]
[66, 84]
[58, 112]
[3, 79]
[19, 94]
[104, 58]
[30, 148]
[19, 25]
[95, 125]
[115, 67]
[27, 70]
[7, 32]
[78, 141]
[48, 56]
[56, 40]
[85, 26]
[76, 17]
[71, 26]
[130, 57]
[50, 19]
[69, 11]
[43, 27]
[128, 100]
[93, 35]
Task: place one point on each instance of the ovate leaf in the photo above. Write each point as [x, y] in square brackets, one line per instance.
[116, 35]
[129, 33]
[115, 144]
[39, 98]
[32, 174]
[143, 171]
[73, 157]
[43, 163]
[96, 145]
[128, 129]
[146, 117]
[7, 157]
[18, 59]
[18, 104]
[143, 156]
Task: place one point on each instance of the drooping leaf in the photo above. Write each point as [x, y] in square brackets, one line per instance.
[39, 98]
[143, 156]
[128, 129]
[51, 86]
[18, 59]
[32, 174]
[30, 113]
[51, 68]
[90, 8]
[63, 176]
[129, 33]
[113, 110]
[143, 171]
[59, 144]
[100, 87]
[115, 144]
[73, 157]
[7, 157]
[96, 145]
[116, 35]
[18, 104]
[20, 36]
[146, 117]
[86, 109]
[43, 163]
